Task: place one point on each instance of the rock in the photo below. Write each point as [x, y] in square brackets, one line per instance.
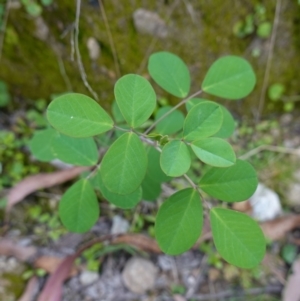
[265, 204]
[93, 48]
[120, 225]
[165, 262]
[42, 30]
[88, 277]
[149, 22]
[139, 275]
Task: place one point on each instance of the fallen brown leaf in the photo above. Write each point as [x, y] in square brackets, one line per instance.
[140, 241]
[292, 288]
[10, 248]
[39, 181]
[50, 264]
[30, 290]
[279, 227]
[53, 288]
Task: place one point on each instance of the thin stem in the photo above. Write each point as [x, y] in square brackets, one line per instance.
[269, 61]
[79, 61]
[172, 110]
[110, 38]
[271, 148]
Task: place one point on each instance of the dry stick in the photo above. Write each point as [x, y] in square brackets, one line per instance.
[110, 38]
[169, 112]
[272, 148]
[231, 293]
[269, 61]
[4, 26]
[154, 40]
[79, 61]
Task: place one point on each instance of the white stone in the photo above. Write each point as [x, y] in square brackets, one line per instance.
[149, 22]
[88, 277]
[94, 48]
[265, 204]
[120, 225]
[139, 275]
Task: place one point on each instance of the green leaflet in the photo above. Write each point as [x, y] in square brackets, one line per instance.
[214, 151]
[171, 124]
[78, 208]
[77, 115]
[238, 238]
[175, 159]
[203, 120]
[75, 151]
[40, 144]
[124, 165]
[228, 124]
[122, 201]
[229, 77]
[136, 99]
[231, 184]
[170, 73]
[179, 222]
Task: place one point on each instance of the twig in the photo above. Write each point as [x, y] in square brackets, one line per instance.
[232, 293]
[269, 61]
[272, 148]
[110, 38]
[154, 40]
[3, 27]
[79, 61]
[169, 112]
[63, 73]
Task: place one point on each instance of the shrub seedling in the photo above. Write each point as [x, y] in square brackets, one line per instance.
[136, 162]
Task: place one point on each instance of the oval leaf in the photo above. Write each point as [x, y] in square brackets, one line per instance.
[203, 120]
[75, 151]
[40, 145]
[179, 222]
[231, 184]
[136, 99]
[229, 77]
[170, 73]
[171, 124]
[79, 208]
[124, 166]
[214, 151]
[77, 115]
[175, 159]
[122, 201]
[151, 188]
[238, 238]
[228, 124]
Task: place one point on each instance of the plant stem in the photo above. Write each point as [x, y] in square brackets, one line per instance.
[169, 112]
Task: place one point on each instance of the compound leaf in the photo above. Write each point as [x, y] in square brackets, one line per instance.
[77, 115]
[175, 159]
[136, 99]
[170, 73]
[124, 165]
[75, 151]
[179, 222]
[78, 208]
[231, 184]
[229, 77]
[238, 238]
[40, 144]
[214, 151]
[203, 120]
[122, 201]
[171, 124]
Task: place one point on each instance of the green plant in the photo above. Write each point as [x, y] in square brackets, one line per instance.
[33, 8]
[133, 164]
[255, 22]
